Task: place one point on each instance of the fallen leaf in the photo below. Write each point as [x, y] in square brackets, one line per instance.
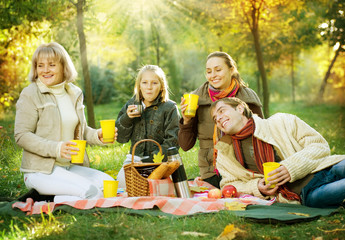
[229, 232]
[198, 189]
[235, 206]
[101, 225]
[299, 214]
[194, 234]
[330, 231]
[157, 158]
[98, 159]
[336, 221]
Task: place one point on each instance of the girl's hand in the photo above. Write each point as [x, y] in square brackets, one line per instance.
[100, 135]
[265, 189]
[132, 111]
[186, 120]
[66, 149]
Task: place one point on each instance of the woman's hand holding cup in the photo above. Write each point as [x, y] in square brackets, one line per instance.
[108, 132]
[184, 106]
[67, 149]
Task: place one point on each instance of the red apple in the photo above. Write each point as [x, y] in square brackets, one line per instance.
[215, 193]
[229, 191]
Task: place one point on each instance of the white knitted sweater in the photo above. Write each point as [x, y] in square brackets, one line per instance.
[302, 150]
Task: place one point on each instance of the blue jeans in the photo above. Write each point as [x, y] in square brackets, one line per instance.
[326, 188]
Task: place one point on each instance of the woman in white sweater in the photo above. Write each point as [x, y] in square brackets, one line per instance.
[50, 113]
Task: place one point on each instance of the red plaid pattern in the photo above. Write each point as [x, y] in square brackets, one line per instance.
[172, 205]
[161, 187]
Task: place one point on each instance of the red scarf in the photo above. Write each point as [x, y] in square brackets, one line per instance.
[263, 152]
[230, 91]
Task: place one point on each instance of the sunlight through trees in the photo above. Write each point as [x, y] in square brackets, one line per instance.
[284, 49]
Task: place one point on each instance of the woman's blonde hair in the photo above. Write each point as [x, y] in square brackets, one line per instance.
[230, 63]
[56, 52]
[162, 79]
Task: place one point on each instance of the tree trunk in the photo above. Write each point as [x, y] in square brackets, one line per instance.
[261, 67]
[258, 83]
[253, 16]
[157, 49]
[84, 64]
[155, 37]
[324, 82]
[293, 82]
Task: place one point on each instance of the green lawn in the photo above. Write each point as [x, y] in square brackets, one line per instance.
[328, 120]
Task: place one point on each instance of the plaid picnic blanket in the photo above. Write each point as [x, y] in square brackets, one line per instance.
[170, 205]
[161, 187]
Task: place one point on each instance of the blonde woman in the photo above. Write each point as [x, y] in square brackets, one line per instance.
[50, 113]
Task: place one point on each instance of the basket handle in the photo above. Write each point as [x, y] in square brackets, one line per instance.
[145, 140]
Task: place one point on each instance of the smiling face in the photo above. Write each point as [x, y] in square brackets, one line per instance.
[150, 87]
[228, 119]
[49, 71]
[218, 73]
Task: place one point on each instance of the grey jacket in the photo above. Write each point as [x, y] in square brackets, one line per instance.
[38, 126]
[158, 122]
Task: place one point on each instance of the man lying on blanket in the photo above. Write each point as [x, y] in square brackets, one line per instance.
[307, 174]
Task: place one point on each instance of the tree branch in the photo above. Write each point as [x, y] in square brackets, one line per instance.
[75, 4]
[258, 11]
[246, 16]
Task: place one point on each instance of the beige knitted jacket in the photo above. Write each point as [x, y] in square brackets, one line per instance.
[302, 150]
[38, 126]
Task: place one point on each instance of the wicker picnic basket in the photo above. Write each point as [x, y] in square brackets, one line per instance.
[136, 184]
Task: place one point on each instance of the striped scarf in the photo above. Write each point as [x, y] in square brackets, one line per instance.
[215, 95]
[263, 152]
[228, 92]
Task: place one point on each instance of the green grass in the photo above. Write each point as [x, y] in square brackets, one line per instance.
[327, 119]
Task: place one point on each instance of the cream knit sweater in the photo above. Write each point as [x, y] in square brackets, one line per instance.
[69, 119]
[302, 150]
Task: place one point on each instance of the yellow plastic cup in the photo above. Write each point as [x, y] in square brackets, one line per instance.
[269, 167]
[192, 101]
[110, 188]
[108, 130]
[79, 158]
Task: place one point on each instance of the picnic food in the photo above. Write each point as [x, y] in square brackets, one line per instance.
[214, 193]
[229, 191]
[164, 170]
[145, 171]
[159, 172]
[172, 166]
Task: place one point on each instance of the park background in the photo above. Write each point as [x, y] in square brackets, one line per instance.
[290, 52]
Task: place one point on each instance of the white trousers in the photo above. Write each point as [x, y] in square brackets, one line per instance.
[68, 184]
